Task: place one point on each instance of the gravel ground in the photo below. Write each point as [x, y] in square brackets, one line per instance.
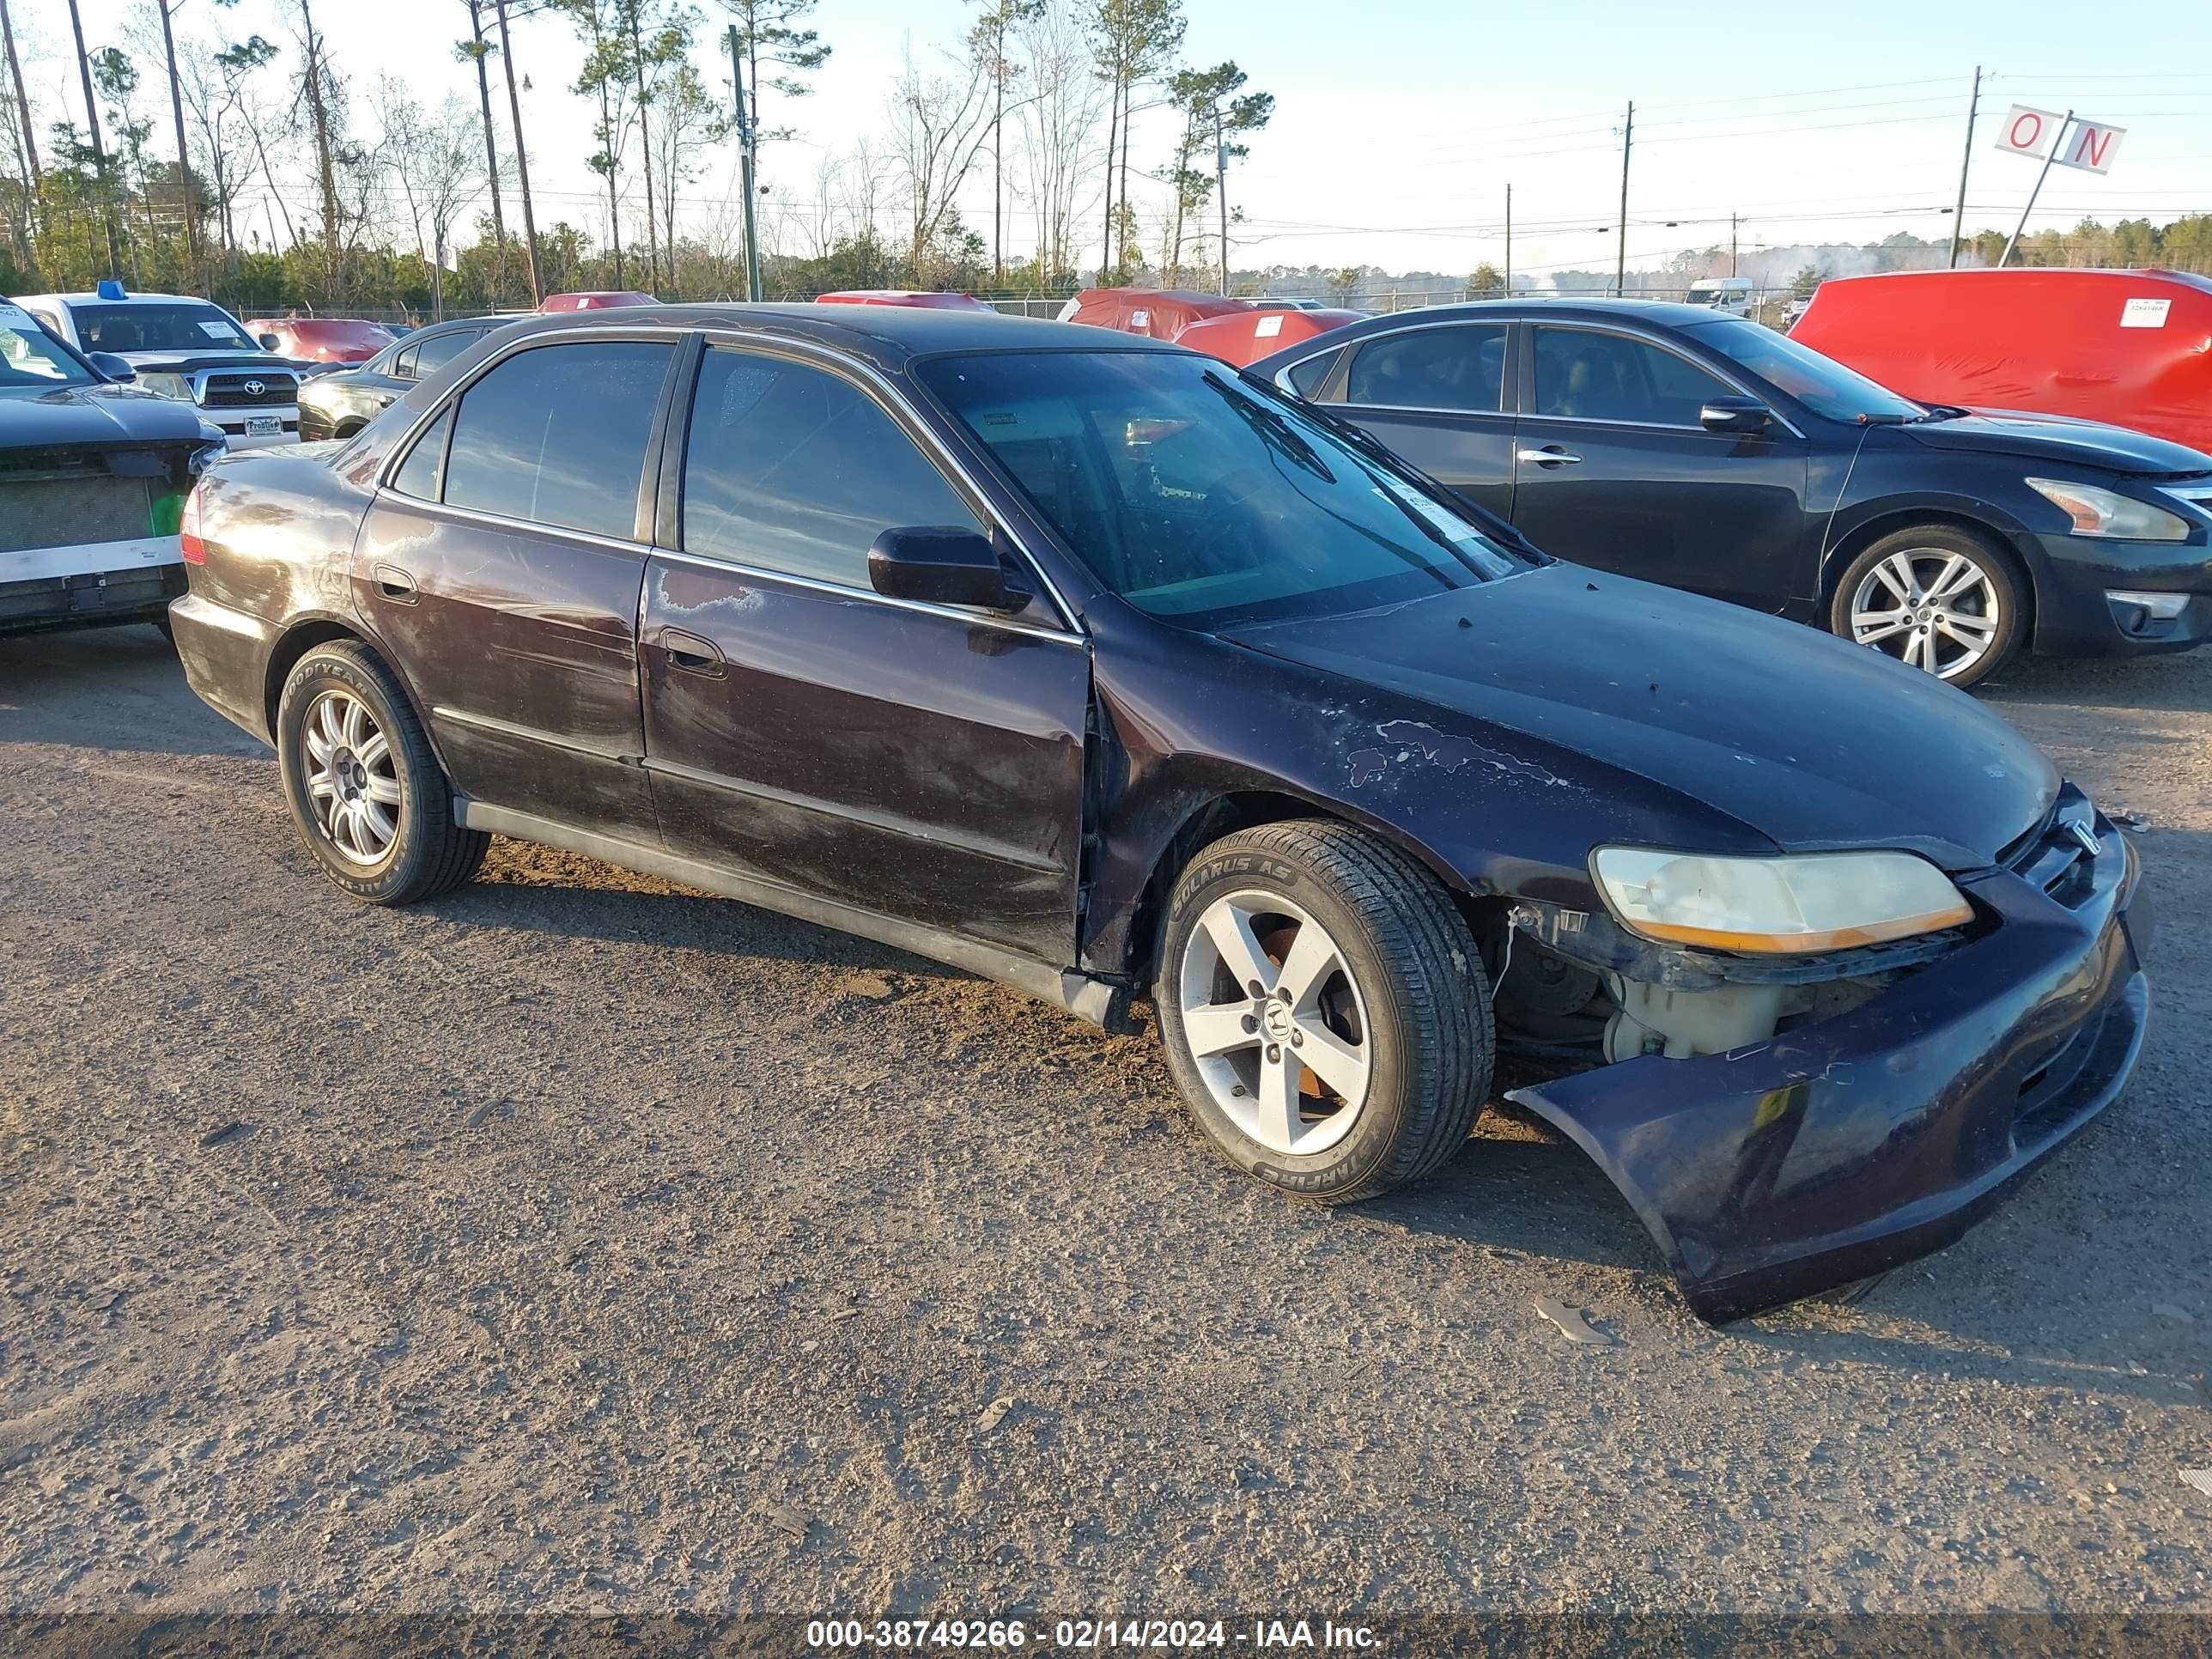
[575, 1243]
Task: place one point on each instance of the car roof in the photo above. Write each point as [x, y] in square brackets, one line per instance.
[887, 335]
[127, 300]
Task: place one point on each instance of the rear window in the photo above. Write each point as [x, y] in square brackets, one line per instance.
[519, 449]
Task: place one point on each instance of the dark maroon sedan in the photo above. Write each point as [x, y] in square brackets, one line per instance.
[1083, 662]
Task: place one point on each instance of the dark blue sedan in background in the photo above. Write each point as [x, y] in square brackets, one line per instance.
[1711, 453]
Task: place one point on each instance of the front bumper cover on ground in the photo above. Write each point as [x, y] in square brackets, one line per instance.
[1838, 1150]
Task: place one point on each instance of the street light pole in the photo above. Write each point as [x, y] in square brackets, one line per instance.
[746, 168]
[2042, 173]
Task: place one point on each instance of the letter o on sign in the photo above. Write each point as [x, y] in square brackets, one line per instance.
[2026, 131]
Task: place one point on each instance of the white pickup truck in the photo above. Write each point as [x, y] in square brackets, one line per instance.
[186, 347]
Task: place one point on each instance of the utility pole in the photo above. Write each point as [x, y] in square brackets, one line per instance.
[2057, 144]
[479, 50]
[99, 156]
[521, 159]
[1959, 213]
[1620, 245]
[1221, 192]
[746, 168]
[1509, 241]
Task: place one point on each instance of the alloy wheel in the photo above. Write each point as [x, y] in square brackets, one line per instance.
[1930, 608]
[353, 787]
[1274, 1023]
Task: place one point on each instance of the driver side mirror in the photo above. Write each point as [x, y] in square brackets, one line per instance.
[941, 564]
[268, 341]
[1743, 416]
[111, 366]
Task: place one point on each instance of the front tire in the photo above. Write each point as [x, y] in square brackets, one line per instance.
[367, 793]
[1938, 598]
[1324, 1010]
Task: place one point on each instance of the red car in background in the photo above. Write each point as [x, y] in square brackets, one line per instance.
[1160, 312]
[2132, 348]
[321, 339]
[597, 300]
[903, 297]
[1253, 333]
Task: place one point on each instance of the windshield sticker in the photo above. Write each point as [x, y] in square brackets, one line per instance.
[218, 331]
[2145, 313]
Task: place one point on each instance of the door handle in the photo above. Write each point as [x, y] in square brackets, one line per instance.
[691, 654]
[1549, 455]
[395, 584]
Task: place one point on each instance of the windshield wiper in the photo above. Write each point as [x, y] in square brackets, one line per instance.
[1941, 412]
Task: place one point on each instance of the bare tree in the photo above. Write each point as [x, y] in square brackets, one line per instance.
[323, 95]
[23, 150]
[225, 119]
[476, 50]
[990, 41]
[685, 120]
[1060, 131]
[521, 157]
[938, 126]
[605, 75]
[433, 156]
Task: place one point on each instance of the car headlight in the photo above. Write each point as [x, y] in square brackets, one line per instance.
[2106, 513]
[1776, 907]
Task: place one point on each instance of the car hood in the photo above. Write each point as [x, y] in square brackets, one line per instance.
[2058, 438]
[1808, 741]
[185, 362]
[97, 417]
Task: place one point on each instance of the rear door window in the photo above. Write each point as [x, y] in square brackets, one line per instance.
[1458, 366]
[557, 436]
[432, 356]
[1583, 375]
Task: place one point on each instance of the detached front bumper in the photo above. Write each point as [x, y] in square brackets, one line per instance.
[1838, 1150]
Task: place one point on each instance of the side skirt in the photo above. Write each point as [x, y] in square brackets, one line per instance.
[1100, 1001]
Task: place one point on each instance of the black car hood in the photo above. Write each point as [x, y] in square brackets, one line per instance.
[2059, 439]
[96, 417]
[186, 363]
[1808, 741]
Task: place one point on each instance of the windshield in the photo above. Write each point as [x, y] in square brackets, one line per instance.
[145, 327]
[1202, 499]
[1821, 383]
[30, 358]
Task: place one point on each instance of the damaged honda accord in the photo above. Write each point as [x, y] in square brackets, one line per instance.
[1088, 664]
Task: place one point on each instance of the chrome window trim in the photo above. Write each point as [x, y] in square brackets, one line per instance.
[1011, 624]
[676, 334]
[1641, 338]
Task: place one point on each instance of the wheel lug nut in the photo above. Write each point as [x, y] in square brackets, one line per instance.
[1297, 1039]
[1237, 1089]
[1250, 1024]
[1274, 1053]
[1256, 988]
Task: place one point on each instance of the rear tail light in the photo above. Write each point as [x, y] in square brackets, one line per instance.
[188, 530]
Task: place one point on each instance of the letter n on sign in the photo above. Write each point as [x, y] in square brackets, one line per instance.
[2091, 147]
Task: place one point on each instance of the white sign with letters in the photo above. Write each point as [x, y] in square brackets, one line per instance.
[2025, 131]
[2091, 147]
[2145, 313]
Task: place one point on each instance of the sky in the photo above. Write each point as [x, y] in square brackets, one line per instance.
[1399, 123]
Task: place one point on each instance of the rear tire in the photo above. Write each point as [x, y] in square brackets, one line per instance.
[1331, 951]
[1941, 599]
[370, 799]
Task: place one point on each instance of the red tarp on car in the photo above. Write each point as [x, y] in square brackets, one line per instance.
[1162, 312]
[2131, 347]
[597, 299]
[1251, 335]
[324, 339]
[901, 297]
